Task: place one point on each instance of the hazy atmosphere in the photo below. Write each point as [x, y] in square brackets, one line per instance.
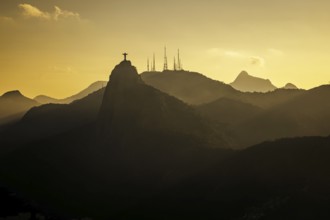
[170, 110]
[59, 47]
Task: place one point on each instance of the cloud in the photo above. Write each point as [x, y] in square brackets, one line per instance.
[222, 52]
[30, 11]
[242, 56]
[59, 13]
[257, 61]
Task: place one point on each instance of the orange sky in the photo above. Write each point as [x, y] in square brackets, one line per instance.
[59, 47]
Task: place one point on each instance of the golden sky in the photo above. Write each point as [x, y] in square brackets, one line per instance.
[58, 47]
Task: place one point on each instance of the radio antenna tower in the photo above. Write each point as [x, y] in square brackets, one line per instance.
[153, 68]
[174, 65]
[148, 69]
[165, 60]
[179, 61]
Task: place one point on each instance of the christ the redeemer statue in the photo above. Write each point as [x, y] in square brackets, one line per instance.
[125, 55]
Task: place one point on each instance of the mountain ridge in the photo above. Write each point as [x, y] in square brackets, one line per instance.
[13, 105]
[43, 99]
[191, 87]
[305, 115]
[159, 109]
[133, 151]
[248, 83]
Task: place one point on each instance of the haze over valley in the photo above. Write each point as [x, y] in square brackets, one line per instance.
[164, 110]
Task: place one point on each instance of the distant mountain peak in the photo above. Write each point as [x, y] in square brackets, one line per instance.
[290, 86]
[13, 94]
[243, 74]
[247, 83]
[13, 105]
[43, 99]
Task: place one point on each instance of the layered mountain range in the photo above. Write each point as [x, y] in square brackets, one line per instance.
[247, 83]
[14, 105]
[172, 83]
[161, 145]
[43, 99]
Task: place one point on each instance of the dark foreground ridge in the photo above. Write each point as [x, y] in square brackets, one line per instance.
[143, 154]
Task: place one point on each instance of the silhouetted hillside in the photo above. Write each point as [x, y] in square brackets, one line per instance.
[13, 106]
[247, 83]
[142, 137]
[196, 89]
[90, 89]
[47, 100]
[51, 119]
[228, 111]
[268, 100]
[190, 87]
[14, 207]
[130, 151]
[306, 115]
[286, 179]
[130, 103]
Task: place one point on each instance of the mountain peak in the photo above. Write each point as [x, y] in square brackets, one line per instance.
[12, 94]
[243, 73]
[125, 75]
[290, 86]
[135, 114]
[123, 84]
[247, 83]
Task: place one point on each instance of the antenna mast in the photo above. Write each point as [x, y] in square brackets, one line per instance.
[174, 65]
[179, 60]
[153, 68]
[148, 69]
[165, 60]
